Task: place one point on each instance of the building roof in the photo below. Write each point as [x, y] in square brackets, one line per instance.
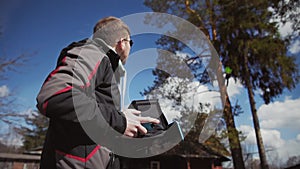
[18, 157]
[191, 147]
[188, 149]
[294, 167]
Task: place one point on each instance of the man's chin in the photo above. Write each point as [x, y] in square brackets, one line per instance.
[124, 61]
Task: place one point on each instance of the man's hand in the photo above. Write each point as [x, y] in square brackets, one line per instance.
[134, 122]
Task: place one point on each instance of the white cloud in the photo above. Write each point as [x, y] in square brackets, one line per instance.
[12, 141]
[280, 115]
[275, 146]
[170, 112]
[290, 148]
[295, 47]
[202, 94]
[4, 91]
[192, 94]
[10, 136]
[249, 132]
[271, 138]
[234, 88]
[298, 137]
[285, 29]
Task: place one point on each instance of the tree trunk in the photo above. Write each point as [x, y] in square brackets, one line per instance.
[261, 149]
[233, 135]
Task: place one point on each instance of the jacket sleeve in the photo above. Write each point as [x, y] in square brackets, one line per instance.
[77, 102]
[77, 107]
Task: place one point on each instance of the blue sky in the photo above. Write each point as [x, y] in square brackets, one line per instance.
[42, 28]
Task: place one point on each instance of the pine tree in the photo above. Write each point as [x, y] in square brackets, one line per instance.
[202, 15]
[257, 55]
[34, 132]
[248, 43]
[10, 116]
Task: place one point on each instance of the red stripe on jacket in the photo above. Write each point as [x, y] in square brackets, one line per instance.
[80, 158]
[91, 75]
[56, 70]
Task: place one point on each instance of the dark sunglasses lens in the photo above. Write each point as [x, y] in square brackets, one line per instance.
[131, 42]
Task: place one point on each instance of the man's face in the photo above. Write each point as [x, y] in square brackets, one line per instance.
[123, 48]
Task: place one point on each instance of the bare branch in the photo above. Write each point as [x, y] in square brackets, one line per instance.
[11, 64]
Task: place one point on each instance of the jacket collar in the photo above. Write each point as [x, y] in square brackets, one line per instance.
[110, 52]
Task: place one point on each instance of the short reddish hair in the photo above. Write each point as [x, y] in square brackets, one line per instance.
[111, 29]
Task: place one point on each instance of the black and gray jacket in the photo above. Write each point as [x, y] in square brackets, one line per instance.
[83, 89]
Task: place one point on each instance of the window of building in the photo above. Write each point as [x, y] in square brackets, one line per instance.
[154, 165]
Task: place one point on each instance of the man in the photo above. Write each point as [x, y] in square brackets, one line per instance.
[81, 97]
